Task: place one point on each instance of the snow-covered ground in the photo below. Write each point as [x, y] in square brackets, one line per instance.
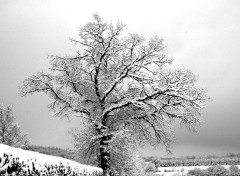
[169, 171]
[41, 160]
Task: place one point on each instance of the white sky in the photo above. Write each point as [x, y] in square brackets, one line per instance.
[203, 36]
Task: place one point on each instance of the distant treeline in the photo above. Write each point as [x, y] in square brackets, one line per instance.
[229, 159]
[54, 151]
[212, 160]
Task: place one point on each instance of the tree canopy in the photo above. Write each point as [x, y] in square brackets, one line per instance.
[125, 91]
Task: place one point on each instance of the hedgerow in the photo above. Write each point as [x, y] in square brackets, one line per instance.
[21, 162]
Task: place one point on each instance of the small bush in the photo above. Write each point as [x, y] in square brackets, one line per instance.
[197, 172]
[218, 170]
[234, 170]
[150, 167]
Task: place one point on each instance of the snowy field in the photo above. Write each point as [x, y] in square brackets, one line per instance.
[169, 171]
[41, 160]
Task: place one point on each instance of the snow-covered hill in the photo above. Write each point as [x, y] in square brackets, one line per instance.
[36, 162]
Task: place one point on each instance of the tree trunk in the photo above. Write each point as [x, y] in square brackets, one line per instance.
[104, 148]
[105, 156]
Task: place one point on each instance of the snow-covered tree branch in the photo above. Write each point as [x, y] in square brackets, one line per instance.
[124, 89]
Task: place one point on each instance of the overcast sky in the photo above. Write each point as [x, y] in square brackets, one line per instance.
[203, 36]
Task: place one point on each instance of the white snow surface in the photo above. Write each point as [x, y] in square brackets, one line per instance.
[42, 159]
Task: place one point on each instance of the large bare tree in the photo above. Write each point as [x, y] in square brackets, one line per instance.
[124, 90]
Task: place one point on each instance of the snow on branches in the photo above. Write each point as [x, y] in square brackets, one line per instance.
[118, 84]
